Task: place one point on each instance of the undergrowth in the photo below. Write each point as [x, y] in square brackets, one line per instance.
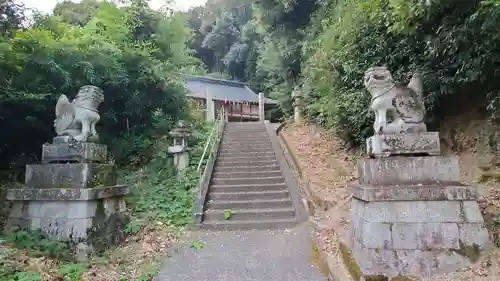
[157, 197]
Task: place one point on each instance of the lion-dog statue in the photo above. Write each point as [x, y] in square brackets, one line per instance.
[78, 118]
[403, 104]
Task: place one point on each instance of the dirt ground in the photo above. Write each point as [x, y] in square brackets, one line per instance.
[329, 168]
[136, 259]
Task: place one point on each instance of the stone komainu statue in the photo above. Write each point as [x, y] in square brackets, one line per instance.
[78, 118]
[403, 104]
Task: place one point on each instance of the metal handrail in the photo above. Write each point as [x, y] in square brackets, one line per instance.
[214, 136]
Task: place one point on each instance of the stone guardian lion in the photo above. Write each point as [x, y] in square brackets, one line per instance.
[79, 117]
[398, 109]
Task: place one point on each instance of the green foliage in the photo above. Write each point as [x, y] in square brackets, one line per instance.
[133, 53]
[72, 271]
[38, 245]
[157, 194]
[451, 44]
[228, 213]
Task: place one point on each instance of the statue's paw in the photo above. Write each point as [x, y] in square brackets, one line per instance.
[79, 138]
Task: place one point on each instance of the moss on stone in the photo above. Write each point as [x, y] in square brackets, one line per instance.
[350, 262]
[472, 252]
[375, 278]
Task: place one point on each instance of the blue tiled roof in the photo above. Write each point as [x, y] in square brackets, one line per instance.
[225, 90]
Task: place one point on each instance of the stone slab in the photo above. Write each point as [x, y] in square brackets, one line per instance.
[72, 175]
[403, 144]
[416, 238]
[420, 192]
[409, 170]
[61, 194]
[99, 223]
[74, 152]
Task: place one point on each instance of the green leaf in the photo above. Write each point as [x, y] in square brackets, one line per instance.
[228, 213]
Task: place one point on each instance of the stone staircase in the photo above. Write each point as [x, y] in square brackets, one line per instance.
[247, 183]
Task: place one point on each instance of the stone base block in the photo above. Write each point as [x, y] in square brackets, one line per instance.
[409, 170]
[432, 192]
[403, 144]
[74, 175]
[97, 221]
[74, 152]
[416, 238]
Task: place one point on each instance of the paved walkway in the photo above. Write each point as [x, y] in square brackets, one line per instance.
[278, 255]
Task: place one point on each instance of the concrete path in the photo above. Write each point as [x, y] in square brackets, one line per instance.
[257, 255]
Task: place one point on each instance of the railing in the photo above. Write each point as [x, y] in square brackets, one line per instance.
[209, 151]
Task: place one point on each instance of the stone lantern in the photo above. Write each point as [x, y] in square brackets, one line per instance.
[297, 103]
[180, 148]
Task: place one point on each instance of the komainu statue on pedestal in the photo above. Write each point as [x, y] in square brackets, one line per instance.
[398, 109]
[78, 118]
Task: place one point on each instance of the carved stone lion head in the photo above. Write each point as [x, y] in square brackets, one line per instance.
[90, 92]
[378, 78]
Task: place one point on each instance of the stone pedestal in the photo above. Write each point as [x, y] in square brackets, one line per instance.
[403, 144]
[411, 216]
[79, 201]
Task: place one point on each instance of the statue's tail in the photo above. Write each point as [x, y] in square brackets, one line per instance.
[417, 85]
[61, 103]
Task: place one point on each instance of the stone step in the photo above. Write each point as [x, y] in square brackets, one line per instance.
[248, 187]
[249, 224]
[230, 196]
[235, 174]
[234, 157]
[245, 162]
[225, 169]
[253, 204]
[250, 214]
[246, 149]
[247, 154]
[247, 180]
[260, 141]
[247, 145]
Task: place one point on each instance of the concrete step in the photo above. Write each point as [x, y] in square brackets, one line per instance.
[249, 224]
[247, 145]
[230, 196]
[245, 141]
[250, 214]
[225, 169]
[253, 204]
[248, 187]
[248, 180]
[245, 162]
[236, 174]
[247, 154]
[245, 157]
[246, 149]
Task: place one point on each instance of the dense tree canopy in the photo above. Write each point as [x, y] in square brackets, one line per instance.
[324, 47]
[133, 53]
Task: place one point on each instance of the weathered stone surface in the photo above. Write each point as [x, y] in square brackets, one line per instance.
[425, 236]
[74, 152]
[416, 238]
[98, 223]
[405, 104]
[409, 170]
[403, 144]
[74, 175]
[78, 118]
[413, 211]
[59, 194]
[420, 192]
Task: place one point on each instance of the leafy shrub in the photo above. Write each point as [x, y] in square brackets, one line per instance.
[454, 44]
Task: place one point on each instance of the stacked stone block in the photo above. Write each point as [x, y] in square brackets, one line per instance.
[410, 214]
[72, 196]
